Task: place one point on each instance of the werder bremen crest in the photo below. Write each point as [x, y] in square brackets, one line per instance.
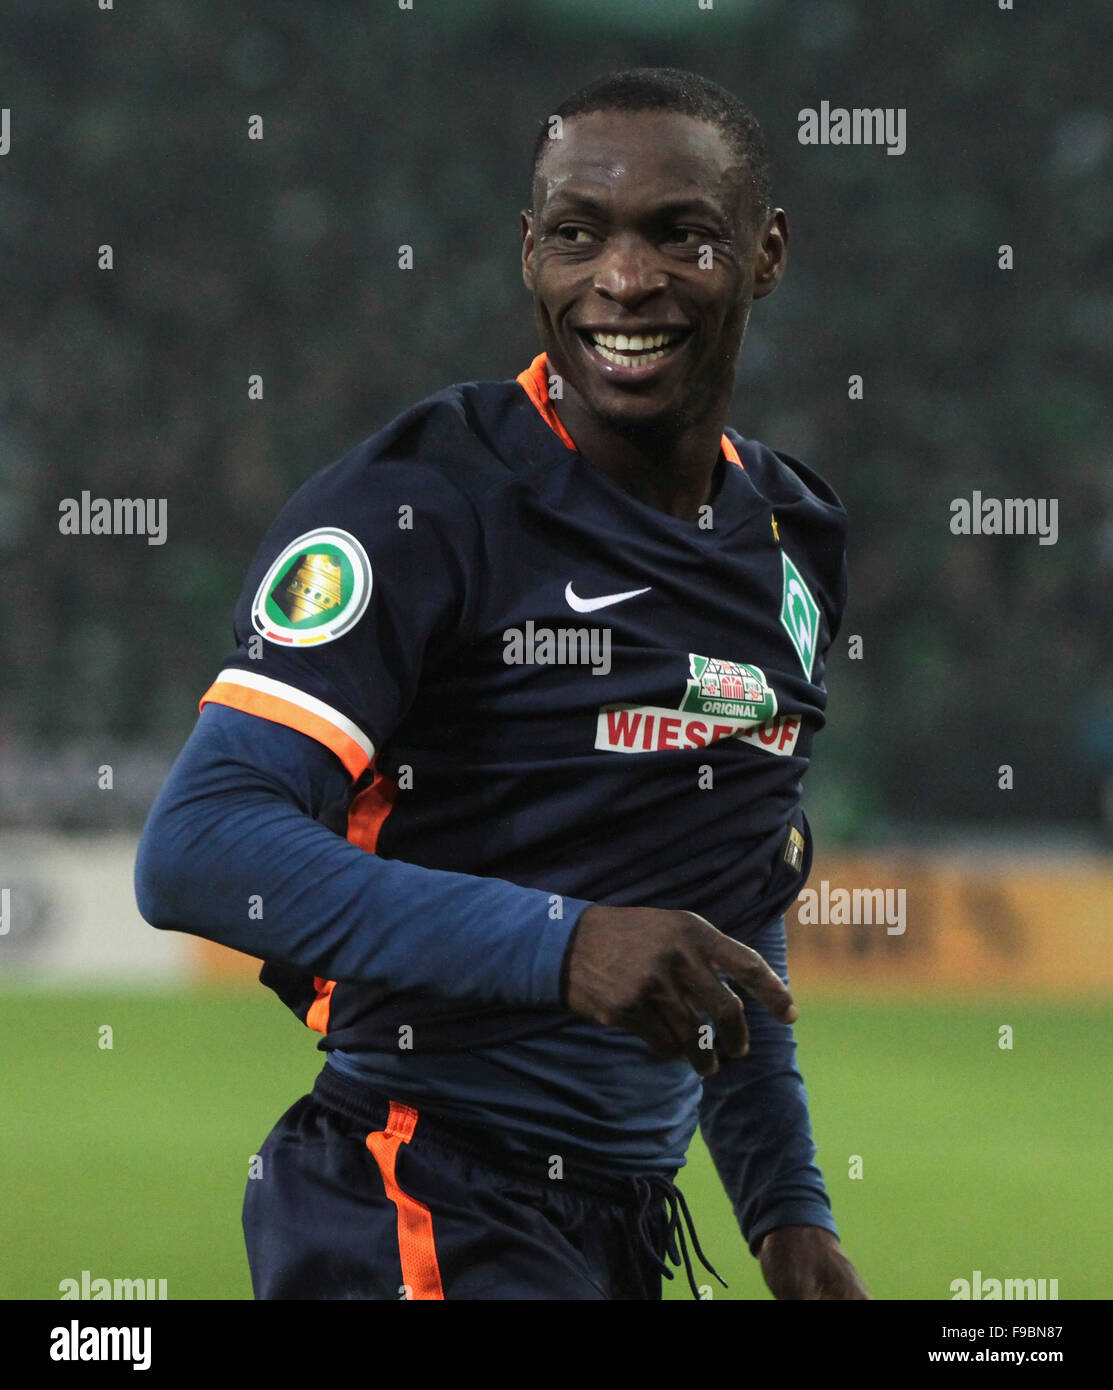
[316, 590]
[799, 615]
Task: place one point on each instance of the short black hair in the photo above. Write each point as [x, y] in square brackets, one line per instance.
[671, 89]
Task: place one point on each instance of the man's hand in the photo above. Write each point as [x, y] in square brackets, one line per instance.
[652, 972]
[808, 1262]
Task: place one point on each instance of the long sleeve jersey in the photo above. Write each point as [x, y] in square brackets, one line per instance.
[477, 686]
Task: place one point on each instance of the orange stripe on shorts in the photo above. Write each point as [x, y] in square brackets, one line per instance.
[417, 1250]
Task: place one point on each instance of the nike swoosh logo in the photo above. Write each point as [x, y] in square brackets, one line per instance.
[589, 605]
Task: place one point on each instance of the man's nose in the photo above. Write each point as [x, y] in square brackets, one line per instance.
[629, 271]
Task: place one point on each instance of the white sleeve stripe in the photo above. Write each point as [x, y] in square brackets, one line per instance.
[281, 691]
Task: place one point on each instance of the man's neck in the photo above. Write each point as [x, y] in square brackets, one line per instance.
[675, 474]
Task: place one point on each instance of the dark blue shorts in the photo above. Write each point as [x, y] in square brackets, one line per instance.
[359, 1197]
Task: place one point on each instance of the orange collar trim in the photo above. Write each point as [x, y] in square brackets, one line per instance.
[534, 381]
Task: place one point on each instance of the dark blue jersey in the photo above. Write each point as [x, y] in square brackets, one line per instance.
[535, 692]
[647, 751]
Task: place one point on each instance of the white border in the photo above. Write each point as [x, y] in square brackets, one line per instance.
[350, 613]
[232, 675]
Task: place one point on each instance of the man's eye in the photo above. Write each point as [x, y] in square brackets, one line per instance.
[684, 236]
[574, 236]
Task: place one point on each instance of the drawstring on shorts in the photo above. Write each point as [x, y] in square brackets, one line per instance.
[675, 1246]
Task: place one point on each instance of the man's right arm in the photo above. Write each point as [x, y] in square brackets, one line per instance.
[232, 851]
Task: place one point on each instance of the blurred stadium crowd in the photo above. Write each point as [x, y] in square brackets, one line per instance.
[385, 128]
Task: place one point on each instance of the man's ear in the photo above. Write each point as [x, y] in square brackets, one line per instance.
[772, 256]
[527, 249]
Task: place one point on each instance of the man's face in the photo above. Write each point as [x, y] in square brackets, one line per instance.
[644, 227]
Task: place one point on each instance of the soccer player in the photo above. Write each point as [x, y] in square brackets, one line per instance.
[502, 781]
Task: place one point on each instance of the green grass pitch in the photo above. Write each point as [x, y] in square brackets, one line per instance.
[131, 1162]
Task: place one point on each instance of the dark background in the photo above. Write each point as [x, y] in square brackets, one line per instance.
[384, 127]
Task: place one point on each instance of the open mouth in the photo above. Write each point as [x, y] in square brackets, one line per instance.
[635, 349]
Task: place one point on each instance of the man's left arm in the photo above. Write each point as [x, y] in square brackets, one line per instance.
[755, 1122]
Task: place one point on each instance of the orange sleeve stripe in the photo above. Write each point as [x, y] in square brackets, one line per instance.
[317, 1015]
[417, 1249]
[368, 812]
[534, 382]
[365, 819]
[280, 711]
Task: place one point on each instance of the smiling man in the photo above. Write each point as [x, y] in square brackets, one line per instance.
[502, 781]
[651, 238]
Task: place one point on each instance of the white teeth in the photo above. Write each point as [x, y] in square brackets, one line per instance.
[634, 351]
[642, 360]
